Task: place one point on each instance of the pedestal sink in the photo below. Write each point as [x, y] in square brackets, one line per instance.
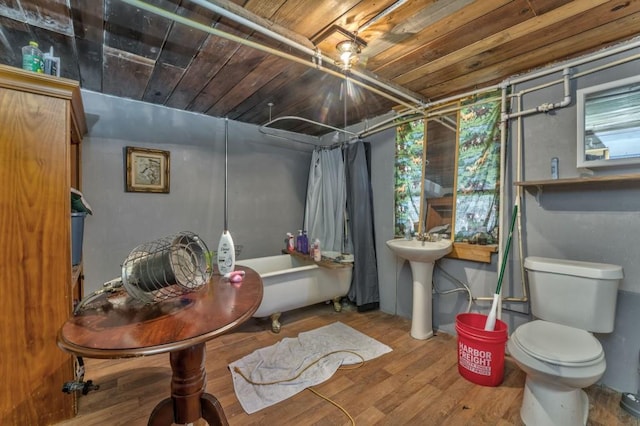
[421, 256]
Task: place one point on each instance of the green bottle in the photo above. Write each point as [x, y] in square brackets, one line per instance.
[32, 59]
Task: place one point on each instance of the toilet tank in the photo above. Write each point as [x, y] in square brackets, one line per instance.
[574, 293]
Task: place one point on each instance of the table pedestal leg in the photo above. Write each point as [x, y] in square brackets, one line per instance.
[188, 401]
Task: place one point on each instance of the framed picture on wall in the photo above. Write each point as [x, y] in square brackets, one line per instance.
[147, 170]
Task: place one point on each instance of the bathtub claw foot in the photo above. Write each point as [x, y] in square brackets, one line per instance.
[275, 324]
[336, 304]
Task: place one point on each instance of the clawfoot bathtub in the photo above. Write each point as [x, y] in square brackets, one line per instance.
[293, 281]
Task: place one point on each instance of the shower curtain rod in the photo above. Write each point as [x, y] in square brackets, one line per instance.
[412, 101]
[294, 117]
[264, 131]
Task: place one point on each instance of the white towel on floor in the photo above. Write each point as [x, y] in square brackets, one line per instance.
[287, 358]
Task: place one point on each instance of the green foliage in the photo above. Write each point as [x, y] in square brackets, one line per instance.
[408, 173]
[478, 171]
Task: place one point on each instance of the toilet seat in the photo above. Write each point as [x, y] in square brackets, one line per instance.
[558, 344]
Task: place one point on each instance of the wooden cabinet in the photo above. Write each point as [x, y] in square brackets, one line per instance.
[41, 126]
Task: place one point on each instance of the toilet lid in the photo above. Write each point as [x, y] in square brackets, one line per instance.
[558, 344]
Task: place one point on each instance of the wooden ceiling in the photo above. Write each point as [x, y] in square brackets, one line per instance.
[419, 49]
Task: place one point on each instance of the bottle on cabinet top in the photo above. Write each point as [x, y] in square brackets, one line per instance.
[32, 58]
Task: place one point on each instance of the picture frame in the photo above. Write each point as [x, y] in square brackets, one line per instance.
[147, 170]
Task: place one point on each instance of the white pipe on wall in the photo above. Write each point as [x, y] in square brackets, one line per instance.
[503, 181]
[607, 66]
[520, 113]
[566, 74]
[251, 23]
[581, 61]
[382, 14]
[518, 200]
[427, 114]
[566, 80]
[576, 75]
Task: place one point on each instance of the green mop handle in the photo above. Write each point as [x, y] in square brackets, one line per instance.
[506, 249]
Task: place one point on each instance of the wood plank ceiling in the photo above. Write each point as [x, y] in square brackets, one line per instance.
[424, 49]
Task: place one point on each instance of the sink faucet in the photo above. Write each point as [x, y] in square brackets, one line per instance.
[428, 237]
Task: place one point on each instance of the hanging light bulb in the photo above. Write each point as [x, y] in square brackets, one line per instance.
[348, 51]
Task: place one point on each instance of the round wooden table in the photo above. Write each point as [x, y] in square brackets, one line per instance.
[180, 326]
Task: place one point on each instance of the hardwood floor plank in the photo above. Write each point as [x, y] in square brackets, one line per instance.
[370, 416]
[416, 384]
[415, 378]
[413, 409]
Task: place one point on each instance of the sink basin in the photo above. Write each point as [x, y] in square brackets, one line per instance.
[421, 256]
[420, 251]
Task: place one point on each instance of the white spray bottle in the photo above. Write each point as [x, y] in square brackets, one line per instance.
[226, 249]
[317, 254]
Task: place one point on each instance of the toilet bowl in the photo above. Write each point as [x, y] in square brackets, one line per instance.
[559, 361]
[557, 350]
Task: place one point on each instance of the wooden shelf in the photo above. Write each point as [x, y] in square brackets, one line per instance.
[580, 180]
[325, 263]
[473, 252]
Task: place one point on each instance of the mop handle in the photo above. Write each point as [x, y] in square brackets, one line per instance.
[506, 249]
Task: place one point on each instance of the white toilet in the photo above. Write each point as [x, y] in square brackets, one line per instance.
[569, 300]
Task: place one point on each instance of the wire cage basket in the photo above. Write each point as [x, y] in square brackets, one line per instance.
[165, 268]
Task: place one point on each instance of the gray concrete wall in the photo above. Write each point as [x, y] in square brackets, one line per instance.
[267, 187]
[267, 180]
[598, 223]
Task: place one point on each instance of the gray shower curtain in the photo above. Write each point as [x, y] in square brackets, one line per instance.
[339, 185]
[326, 193]
[364, 290]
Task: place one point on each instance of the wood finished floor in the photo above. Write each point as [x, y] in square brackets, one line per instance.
[416, 384]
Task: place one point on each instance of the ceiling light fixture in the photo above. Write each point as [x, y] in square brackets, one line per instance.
[348, 51]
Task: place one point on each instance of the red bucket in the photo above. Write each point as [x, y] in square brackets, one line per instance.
[480, 352]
